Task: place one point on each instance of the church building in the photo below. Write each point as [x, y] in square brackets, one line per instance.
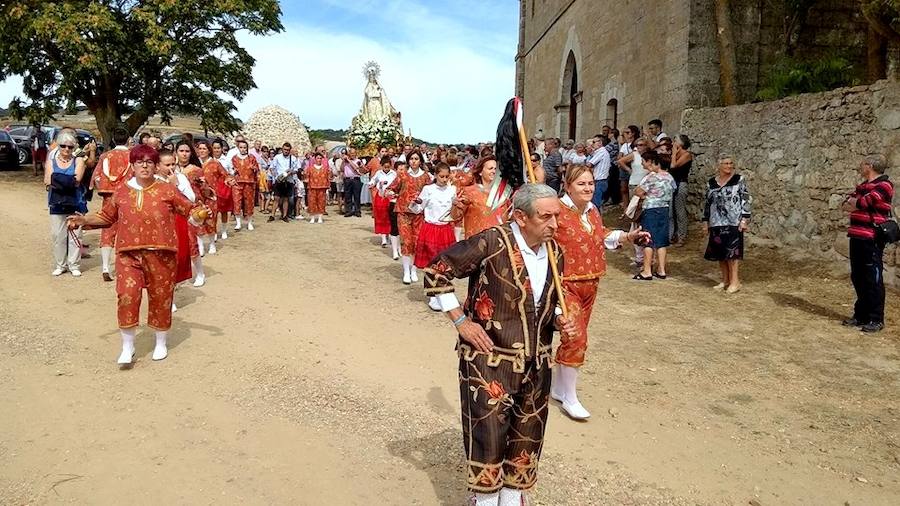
[582, 64]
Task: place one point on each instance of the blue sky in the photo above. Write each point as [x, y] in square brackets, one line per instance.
[448, 67]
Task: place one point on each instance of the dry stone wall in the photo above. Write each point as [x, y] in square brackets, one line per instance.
[800, 156]
[274, 126]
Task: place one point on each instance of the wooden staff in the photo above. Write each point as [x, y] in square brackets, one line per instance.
[551, 253]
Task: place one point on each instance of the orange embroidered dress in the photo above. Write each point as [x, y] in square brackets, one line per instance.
[407, 187]
[318, 180]
[476, 215]
[146, 245]
[244, 191]
[581, 237]
[215, 176]
[113, 170]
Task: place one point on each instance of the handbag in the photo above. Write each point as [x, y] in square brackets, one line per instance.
[635, 209]
[887, 232]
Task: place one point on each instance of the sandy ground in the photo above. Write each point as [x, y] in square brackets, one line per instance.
[304, 372]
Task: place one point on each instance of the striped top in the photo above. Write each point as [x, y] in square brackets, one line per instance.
[873, 207]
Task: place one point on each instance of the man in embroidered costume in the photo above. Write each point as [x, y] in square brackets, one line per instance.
[246, 170]
[114, 171]
[505, 336]
[145, 209]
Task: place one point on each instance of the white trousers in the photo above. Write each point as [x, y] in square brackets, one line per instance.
[66, 254]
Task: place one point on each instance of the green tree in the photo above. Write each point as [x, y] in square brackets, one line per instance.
[127, 60]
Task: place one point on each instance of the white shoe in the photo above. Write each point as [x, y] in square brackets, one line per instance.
[58, 271]
[434, 304]
[320, 220]
[575, 410]
[160, 352]
[212, 249]
[200, 280]
[413, 275]
[76, 273]
[250, 226]
[406, 278]
[127, 356]
[237, 227]
[312, 220]
[224, 234]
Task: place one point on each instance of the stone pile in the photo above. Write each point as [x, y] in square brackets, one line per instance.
[274, 126]
[800, 156]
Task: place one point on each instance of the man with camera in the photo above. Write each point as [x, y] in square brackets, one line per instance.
[352, 170]
[284, 166]
[871, 228]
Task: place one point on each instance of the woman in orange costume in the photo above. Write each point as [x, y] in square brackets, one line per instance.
[189, 165]
[145, 208]
[318, 180]
[224, 198]
[583, 240]
[471, 201]
[409, 218]
[214, 175]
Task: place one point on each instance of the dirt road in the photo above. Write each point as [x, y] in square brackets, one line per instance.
[304, 372]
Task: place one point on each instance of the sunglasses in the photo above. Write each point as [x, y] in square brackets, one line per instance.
[67, 146]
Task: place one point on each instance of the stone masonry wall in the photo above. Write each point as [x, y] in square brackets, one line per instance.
[800, 156]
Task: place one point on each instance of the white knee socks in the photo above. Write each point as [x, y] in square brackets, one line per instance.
[105, 256]
[395, 246]
[237, 222]
[199, 275]
[127, 355]
[160, 351]
[510, 497]
[212, 244]
[407, 264]
[482, 499]
[200, 244]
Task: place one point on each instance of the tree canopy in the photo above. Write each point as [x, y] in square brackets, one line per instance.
[127, 60]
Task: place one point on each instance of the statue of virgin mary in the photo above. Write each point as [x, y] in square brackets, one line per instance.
[375, 102]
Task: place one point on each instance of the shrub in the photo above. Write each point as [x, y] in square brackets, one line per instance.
[791, 76]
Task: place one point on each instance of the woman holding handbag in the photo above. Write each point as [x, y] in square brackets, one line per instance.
[655, 190]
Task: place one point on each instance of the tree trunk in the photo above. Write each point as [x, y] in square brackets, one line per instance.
[727, 57]
[107, 121]
[876, 55]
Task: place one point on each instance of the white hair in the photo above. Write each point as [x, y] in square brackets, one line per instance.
[526, 195]
[66, 137]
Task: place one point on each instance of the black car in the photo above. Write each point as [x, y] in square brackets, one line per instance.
[9, 152]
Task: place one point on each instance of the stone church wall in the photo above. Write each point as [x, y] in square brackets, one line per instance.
[656, 61]
[800, 156]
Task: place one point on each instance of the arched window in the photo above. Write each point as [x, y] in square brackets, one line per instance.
[569, 118]
[612, 113]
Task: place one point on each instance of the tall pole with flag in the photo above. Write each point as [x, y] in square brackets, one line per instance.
[514, 168]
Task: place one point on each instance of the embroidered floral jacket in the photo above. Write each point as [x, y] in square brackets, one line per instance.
[499, 298]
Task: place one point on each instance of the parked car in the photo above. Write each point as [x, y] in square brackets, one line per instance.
[21, 134]
[9, 152]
